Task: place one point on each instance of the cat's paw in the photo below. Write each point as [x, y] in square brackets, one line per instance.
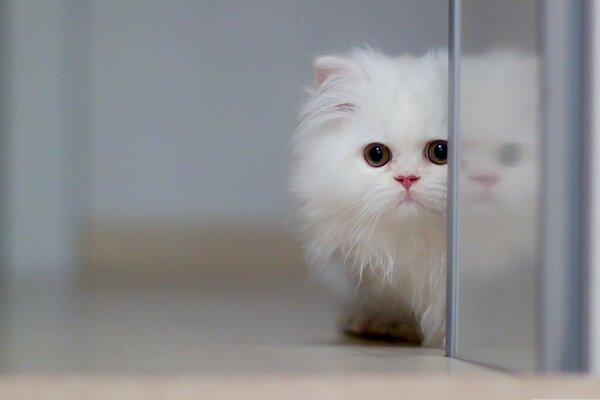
[382, 328]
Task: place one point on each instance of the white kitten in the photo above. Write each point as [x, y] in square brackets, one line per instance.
[369, 173]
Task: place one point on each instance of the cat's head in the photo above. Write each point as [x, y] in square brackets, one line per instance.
[499, 133]
[371, 145]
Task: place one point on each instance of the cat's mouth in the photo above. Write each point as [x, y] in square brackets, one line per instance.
[408, 199]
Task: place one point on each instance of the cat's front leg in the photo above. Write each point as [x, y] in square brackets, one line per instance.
[433, 324]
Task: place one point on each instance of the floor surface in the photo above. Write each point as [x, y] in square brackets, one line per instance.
[224, 340]
[216, 327]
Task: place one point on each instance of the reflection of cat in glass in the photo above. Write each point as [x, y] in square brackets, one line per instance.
[498, 153]
[498, 131]
[498, 203]
[369, 172]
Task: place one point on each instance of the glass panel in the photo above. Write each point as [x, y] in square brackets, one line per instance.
[498, 184]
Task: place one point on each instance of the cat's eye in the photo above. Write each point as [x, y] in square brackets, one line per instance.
[436, 151]
[377, 154]
[509, 154]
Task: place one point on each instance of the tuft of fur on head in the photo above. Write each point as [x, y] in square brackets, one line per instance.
[351, 216]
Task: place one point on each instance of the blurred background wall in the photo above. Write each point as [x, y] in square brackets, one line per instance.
[149, 136]
[45, 137]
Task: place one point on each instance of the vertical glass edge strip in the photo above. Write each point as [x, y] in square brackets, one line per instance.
[452, 220]
[540, 292]
[560, 270]
[590, 352]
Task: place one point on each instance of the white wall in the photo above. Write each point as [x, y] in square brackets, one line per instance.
[43, 174]
[171, 111]
[193, 102]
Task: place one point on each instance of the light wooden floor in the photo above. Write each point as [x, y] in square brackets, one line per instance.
[299, 387]
[214, 327]
[224, 339]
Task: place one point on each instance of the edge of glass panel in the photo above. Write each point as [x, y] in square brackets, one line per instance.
[453, 137]
[559, 303]
[591, 267]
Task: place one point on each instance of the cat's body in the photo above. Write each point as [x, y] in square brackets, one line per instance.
[371, 201]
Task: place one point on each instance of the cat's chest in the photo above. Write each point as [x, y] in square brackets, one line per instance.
[406, 254]
[408, 243]
[415, 264]
[417, 252]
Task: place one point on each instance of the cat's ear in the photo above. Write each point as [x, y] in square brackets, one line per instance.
[327, 66]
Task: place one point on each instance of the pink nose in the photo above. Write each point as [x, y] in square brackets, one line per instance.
[487, 180]
[407, 181]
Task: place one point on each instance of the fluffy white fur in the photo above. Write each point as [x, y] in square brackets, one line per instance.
[384, 258]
